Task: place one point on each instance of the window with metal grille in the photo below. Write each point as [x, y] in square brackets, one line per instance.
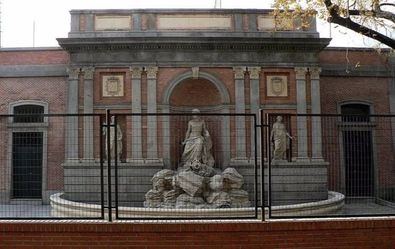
[28, 114]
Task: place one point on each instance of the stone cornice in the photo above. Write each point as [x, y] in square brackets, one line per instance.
[194, 43]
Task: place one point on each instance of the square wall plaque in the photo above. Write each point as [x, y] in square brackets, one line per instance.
[277, 85]
[113, 86]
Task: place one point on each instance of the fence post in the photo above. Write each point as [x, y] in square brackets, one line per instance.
[108, 150]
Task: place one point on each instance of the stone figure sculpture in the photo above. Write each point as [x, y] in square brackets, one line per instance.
[112, 140]
[197, 146]
[280, 138]
[197, 184]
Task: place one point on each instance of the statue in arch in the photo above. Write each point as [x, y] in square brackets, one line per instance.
[280, 137]
[197, 145]
[112, 140]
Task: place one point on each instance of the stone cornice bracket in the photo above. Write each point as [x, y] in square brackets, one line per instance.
[136, 72]
[300, 73]
[315, 73]
[88, 72]
[195, 72]
[254, 72]
[73, 72]
[239, 72]
[151, 72]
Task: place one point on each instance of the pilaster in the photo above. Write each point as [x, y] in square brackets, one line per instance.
[137, 149]
[71, 149]
[152, 139]
[316, 135]
[301, 108]
[240, 109]
[88, 109]
[254, 73]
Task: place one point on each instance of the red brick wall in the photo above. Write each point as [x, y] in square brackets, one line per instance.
[41, 57]
[279, 234]
[51, 90]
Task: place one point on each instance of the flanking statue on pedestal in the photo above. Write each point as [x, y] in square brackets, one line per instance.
[112, 141]
[197, 184]
[280, 138]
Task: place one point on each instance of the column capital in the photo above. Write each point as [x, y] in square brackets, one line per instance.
[254, 72]
[136, 72]
[151, 72]
[300, 73]
[88, 72]
[239, 72]
[315, 73]
[73, 72]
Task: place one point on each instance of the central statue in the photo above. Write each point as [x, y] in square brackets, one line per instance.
[197, 144]
[196, 184]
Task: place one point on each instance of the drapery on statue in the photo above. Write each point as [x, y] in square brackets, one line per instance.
[197, 150]
[112, 140]
[279, 136]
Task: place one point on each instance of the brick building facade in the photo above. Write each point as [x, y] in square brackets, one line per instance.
[221, 61]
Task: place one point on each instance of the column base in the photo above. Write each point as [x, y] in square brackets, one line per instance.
[303, 159]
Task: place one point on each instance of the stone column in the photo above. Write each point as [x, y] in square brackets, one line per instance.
[152, 140]
[301, 108]
[316, 109]
[137, 148]
[72, 108]
[254, 104]
[240, 108]
[88, 108]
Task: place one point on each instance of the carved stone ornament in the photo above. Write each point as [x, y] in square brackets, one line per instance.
[195, 72]
[113, 86]
[254, 72]
[151, 72]
[73, 72]
[136, 72]
[239, 72]
[300, 73]
[315, 73]
[277, 86]
[88, 72]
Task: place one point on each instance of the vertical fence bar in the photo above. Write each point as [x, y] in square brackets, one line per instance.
[262, 153]
[269, 165]
[102, 127]
[109, 200]
[256, 164]
[116, 164]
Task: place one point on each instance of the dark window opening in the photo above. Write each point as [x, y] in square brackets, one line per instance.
[355, 113]
[28, 114]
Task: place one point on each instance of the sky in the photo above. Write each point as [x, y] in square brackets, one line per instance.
[51, 19]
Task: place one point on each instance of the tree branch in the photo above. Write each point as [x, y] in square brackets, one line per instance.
[348, 23]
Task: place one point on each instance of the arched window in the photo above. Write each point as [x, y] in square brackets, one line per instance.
[28, 111]
[355, 112]
[28, 114]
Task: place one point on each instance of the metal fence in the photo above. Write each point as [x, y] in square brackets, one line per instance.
[42, 158]
[103, 166]
[150, 166]
[159, 180]
[332, 165]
